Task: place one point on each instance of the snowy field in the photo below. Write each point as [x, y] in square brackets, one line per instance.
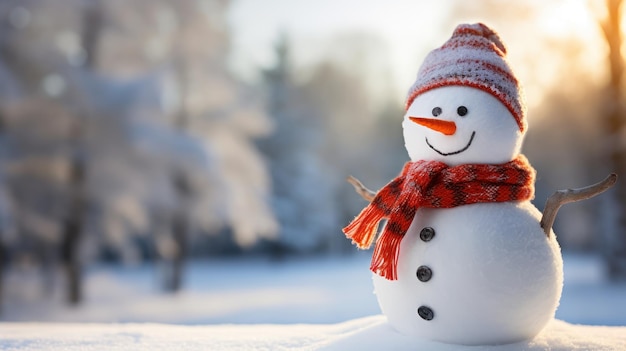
[247, 304]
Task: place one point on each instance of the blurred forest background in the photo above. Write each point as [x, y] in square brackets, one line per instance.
[128, 134]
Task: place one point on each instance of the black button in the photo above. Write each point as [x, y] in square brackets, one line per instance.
[427, 234]
[424, 273]
[426, 313]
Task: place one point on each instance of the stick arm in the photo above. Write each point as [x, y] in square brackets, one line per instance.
[365, 193]
[561, 197]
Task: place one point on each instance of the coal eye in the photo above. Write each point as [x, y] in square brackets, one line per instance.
[436, 111]
[462, 110]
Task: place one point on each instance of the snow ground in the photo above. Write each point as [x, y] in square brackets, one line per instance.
[311, 303]
[369, 333]
[310, 290]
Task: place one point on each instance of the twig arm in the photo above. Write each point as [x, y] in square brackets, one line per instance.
[561, 197]
[365, 193]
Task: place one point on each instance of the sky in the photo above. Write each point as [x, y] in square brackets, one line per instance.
[406, 30]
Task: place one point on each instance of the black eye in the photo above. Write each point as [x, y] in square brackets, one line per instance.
[436, 111]
[462, 110]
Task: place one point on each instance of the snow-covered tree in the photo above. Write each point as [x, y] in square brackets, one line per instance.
[121, 120]
[352, 143]
[186, 47]
[206, 173]
[302, 183]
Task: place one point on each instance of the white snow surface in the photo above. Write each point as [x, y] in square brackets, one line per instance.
[255, 304]
[368, 333]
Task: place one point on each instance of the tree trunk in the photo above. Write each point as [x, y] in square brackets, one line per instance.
[72, 232]
[180, 232]
[70, 261]
[175, 279]
[615, 123]
[3, 262]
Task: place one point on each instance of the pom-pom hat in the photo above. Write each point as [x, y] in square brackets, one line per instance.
[475, 57]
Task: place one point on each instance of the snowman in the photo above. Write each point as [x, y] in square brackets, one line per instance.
[462, 258]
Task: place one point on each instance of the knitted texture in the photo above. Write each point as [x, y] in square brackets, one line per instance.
[475, 57]
[433, 184]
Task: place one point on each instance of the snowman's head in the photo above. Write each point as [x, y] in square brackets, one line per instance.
[459, 125]
[466, 106]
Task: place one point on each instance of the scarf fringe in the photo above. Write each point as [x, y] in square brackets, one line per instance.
[386, 253]
[362, 230]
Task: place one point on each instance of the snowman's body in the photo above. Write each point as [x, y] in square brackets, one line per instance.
[488, 275]
[482, 273]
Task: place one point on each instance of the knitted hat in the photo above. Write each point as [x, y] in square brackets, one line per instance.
[475, 57]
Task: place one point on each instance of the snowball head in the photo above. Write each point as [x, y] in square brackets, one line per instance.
[493, 276]
[486, 132]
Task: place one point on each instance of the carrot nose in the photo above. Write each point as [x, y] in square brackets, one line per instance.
[445, 127]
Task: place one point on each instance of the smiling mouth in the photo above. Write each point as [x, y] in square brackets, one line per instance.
[453, 152]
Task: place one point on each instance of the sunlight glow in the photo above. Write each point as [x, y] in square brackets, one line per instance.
[558, 33]
[569, 38]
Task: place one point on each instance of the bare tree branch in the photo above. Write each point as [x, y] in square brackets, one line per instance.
[365, 193]
[561, 197]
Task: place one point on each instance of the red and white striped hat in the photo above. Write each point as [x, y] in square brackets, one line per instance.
[475, 57]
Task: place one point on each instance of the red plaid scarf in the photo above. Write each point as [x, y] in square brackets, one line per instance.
[433, 184]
